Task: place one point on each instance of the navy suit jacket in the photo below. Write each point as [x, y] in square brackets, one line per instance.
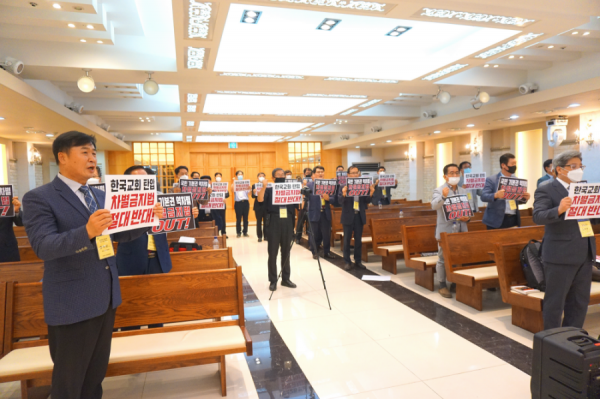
[9, 247]
[563, 243]
[494, 212]
[132, 256]
[348, 208]
[543, 179]
[77, 285]
[314, 206]
[378, 195]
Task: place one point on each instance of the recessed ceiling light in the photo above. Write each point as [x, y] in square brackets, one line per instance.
[195, 57]
[521, 57]
[389, 141]
[71, 25]
[1, 118]
[369, 103]
[436, 132]
[89, 26]
[191, 108]
[189, 123]
[575, 33]
[513, 117]
[496, 66]
[470, 125]
[398, 30]
[250, 17]
[550, 46]
[82, 40]
[188, 138]
[357, 146]
[57, 6]
[372, 143]
[508, 45]
[349, 111]
[511, 57]
[328, 24]
[574, 105]
[261, 75]
[467, 16]
[49, 135]
[99, 42]
[445, 71]
[586, 33]
[363, 80]
[141, 120]
[486, 66]
[192, 98]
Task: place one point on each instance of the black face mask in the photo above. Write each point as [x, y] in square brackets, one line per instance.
[280, 180]
[309, 175]
[512, 169]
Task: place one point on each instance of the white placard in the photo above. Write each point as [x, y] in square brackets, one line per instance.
[586, 201]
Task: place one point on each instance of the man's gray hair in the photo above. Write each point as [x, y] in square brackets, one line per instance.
[562, 159]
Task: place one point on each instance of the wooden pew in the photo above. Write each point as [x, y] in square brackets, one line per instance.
[149, 299]
[23, 241]
[526, 309]
[19, 231]
[27, 254]
[206, 242]
[199, 232]
[23, 272]
[468, 262]
[398, 201]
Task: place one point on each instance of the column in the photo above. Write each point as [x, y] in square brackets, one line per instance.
[415, 170]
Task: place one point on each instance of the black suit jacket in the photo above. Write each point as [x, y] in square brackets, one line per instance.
[258, 205]
[378, 195]
[9, 247]
[348, 208]
[563, 243]
[314, 206]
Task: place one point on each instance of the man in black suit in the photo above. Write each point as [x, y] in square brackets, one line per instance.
[354, 218]
[9, 247]
[319, 216]
[568, 253]
[382, 195]
[259, 208]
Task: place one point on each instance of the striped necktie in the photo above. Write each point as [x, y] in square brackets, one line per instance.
[89, 200]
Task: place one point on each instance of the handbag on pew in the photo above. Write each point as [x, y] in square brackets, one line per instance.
[181, 246]
[531, 262]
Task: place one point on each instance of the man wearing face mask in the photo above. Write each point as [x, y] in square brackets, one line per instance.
[204, 215]
[448, 189]
[307, 176]
[319, 216]
[241, 207]
[181, 172]
[259, 208]
[568, 252]
[382, 195]
[549, 176]
[465, 167]
[305, 180]
[281, 232]
[501, 213]
[220, 215]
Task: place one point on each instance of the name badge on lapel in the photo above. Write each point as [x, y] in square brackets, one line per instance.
[585, 227]
[283, 213]
[513, 205]
[356, 206]
[105, 247]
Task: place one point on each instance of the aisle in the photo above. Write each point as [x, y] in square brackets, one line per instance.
[370, 345]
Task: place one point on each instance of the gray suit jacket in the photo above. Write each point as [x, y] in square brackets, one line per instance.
[437, 202]
[563, 243]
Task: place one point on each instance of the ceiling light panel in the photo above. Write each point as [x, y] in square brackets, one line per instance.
[261, 75]
[445, 71]
[191, 108]
[268, 105]
[362, 80]
[251, 93]
[251, 127]
[236, 139]
[317, 125]
[398, 30]
[195, 58]
[328, 24]
[199, 18]
[353, 5]
[508, 45]
[349, 111]
[192, 98]
[429, 47]
[336, 95]
[368, 104]
[476, 17]
[250, 17]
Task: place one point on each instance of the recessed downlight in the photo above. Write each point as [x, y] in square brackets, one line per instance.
[89, 26]
[575, 33]
[357, 146]
[437, 131]
[574, 105]
[486, 66]
[56, 6]
[49, 135]
[550, 46]
[521, 57]
[1, 118]
[71, 25]
[328, 24]
[511, 57]
[496, 66]
[470, 125]
[372, 143]
[99, 42]
[513, 117]
[250, 17]
[388, 141]
[586, 33]
[82, 40]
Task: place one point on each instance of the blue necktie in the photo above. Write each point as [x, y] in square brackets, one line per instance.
[89, 200]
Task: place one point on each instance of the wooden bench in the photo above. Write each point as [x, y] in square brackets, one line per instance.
[27, 254]
[526, 309]
[148, 299]
[19, 231]
[468, 263]
[419, 239]
[206, 242]
[199, 232]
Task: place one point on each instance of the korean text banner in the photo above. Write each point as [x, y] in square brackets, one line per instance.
[387, 180]
[457, 206]
[198, 188]
[359, 186]
[342, 178]
[474, 181]
[177, 213]
[220, 187]
[241, 185]
[287, 193]
[323, 186]
[217, 201]
[258, 187]
[130, 200]
[6, 196]
[514, 188]
[99, 186]
[586, 201]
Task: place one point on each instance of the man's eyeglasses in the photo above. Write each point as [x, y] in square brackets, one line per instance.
[573, 167]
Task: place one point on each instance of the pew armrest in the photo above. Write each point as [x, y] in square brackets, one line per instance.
[248, 341]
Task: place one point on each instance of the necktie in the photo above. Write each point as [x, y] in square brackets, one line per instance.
[89, 200]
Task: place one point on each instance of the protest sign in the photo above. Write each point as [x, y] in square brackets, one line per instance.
[198, 188]
[98, 186]
[513, 187]
[220, 187]
[291, 180]
[241, 185]
[323, 186]
[359, 186]
[586, 201]
[258, 187]
[217, 201]
[287, 193]
[387, 180]
[6, 196]
[457, 206]
[131, 201]
[177, 214]
[342, 178]
[474, 181]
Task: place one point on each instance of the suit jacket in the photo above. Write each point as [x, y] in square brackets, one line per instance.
[77, 285]
[494, 212]
[132, 256]
[543, 179]
[563, 243]
[314, 206]
[348, 207]
[378, 195]
[437, 202]
[258, 205]
[9, 247]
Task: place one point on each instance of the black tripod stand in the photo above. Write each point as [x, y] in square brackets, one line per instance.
[311, 238]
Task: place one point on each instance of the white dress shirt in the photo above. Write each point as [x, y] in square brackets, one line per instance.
[73, 185]
[565, 185]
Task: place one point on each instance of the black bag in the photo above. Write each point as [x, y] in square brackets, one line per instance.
[531, 262]
[180, 246]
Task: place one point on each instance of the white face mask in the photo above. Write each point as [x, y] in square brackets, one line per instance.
[240, 177]
[184, 177]
[381, 173]
[575, 175]
[93, 180]
[218, 178]
[453, 181]
[288, 176]
[261, 178]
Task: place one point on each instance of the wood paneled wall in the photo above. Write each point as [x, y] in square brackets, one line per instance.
[118, 161]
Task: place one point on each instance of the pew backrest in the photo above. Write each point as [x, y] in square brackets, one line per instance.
[417, 239]
[508, 263]
[206, 242]
[198, 232]
[19, 231]
[389, 231]
[212, 259]
[22, 272]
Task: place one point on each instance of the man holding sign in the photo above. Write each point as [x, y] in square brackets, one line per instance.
[10, 211]
[569, 246]
[259, 208]
[319, 211]
[502, 211]
[383, 187]
[64, 221]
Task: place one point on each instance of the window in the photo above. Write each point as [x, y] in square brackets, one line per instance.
[303, 155]
[159, 157]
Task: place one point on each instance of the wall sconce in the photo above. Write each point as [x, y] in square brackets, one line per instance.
[35, 158]
[589, 137]
[411, 154]
[474, 147]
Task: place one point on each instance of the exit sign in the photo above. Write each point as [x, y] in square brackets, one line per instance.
[232, 145]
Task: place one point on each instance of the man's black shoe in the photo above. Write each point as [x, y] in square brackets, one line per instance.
[246, 235]
[361, 266]
[260, 240]
[348, 266]
[273, 286]
[329, 255]
[298, 241]
[238, 235]
[315, 256]
[288, 283]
